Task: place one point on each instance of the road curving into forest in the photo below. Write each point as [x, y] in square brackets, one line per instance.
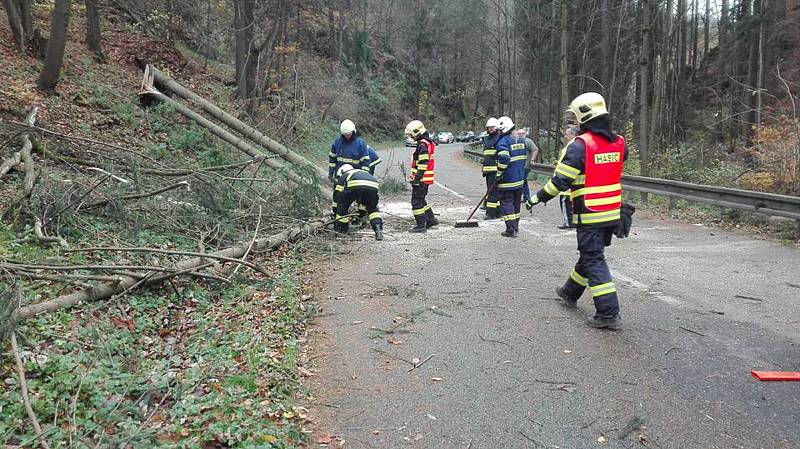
[453, 339]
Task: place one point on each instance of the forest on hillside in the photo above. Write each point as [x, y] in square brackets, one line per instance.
[702, 83]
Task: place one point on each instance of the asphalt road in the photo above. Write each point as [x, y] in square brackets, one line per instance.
[499, 362]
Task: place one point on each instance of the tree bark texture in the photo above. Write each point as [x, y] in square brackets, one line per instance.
[93, 36]
[54, 56]
[15, 23]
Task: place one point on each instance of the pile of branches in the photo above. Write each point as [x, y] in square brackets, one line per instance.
[95, 220]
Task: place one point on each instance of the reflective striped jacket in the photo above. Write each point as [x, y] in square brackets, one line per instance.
[423, 162]
[511, 163]
[570, 175]
[490, 153]
[355, 179]
[343, 152]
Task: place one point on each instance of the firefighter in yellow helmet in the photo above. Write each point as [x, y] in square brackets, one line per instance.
[422, 172]
[592, 169]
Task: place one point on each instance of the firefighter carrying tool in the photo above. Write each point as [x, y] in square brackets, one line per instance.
[356, 185]
[591, 169]
[422, 174]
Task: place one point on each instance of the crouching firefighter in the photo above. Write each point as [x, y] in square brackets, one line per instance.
[510, 176]
[592, 169]
[422, 173]
[356, 185]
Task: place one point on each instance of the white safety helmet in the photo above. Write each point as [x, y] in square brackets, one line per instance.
[588, 106]
[506, 124]
[343, 168]
[492, 123]
[347, 127]
[415, 129]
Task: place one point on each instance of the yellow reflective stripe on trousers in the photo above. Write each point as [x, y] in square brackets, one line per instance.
[596, 217]
[421, 210]
[510, 217]
[598, 189]
[492, 205]
[604, 201]
[489, 168]
[568, 171]
[508, 185]
[342, 218]
[340, 188]
[603, 289]
[362, 183]
[580, 280]
[550, 188]
[375, 216]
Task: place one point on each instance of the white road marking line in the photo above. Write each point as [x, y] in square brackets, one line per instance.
[656, 294]
[450, 190]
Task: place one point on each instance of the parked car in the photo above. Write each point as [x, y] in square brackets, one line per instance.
[445, 137]
[465, 136]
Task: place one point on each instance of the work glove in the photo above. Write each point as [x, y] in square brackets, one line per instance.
[626, 221]
[534, 200]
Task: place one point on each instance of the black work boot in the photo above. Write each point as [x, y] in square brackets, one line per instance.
[509, 233]
[341, 228]
[432, 220]
[421, 225]
[378, 228]
[568, 302]
[613, 324]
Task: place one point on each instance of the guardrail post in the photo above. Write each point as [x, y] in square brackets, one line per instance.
[673, 202]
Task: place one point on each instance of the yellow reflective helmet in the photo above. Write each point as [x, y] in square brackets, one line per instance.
[415, 129]
[588, 106]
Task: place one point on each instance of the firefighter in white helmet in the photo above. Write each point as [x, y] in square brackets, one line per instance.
[348, 148]
[489, 169]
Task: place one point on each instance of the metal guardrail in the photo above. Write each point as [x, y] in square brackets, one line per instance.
[764, 203]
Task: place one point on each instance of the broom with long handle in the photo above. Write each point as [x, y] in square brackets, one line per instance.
[469, 223]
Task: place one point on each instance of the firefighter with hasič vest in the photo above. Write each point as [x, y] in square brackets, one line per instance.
[592, 169]
[353, 184]
[422, 175]
[510, 176]
[489, 169]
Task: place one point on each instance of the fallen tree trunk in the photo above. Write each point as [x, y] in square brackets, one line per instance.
[237, 142]
[236, 124]
[109, 289]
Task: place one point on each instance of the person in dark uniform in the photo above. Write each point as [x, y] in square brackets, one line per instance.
[489, 169]
[592, 170]
[352, 185]
[510, 176]
[422, 176]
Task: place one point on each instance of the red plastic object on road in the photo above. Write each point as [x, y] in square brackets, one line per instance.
[787, 376]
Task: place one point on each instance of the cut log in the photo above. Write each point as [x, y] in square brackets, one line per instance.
[109, 289]
[231, 121]
[218, 131]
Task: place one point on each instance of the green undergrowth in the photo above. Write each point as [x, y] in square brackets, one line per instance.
[189, 366]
